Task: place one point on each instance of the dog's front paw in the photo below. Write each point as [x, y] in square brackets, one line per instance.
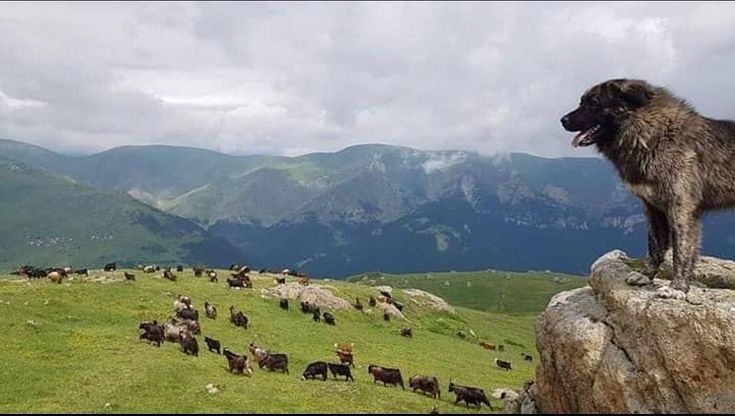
[669, 292]
[650, 271]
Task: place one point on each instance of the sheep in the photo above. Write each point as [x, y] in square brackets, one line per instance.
[190, 324]
[210, 310]
[55, 277]
[168, 274]
[172, 332]
[258, 353]
[182, 303]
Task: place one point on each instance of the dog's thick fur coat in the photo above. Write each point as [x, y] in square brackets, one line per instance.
[679, 163]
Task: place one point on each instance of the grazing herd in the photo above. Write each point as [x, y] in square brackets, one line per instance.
[55, 274]
[314, 311]
[184, 325]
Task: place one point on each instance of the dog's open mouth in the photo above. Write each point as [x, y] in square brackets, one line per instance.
[586, 137]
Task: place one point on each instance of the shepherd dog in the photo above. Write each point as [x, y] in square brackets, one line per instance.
[679, 163]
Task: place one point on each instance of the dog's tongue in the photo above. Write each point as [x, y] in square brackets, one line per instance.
[581, 138]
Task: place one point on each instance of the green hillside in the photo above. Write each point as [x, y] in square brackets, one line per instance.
[74, 348]
[49, 219]
[492, 291]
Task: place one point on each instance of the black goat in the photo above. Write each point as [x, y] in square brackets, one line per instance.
[318, 368]
[341, 370]
[212, 344]
[189, 344]
[470, 395]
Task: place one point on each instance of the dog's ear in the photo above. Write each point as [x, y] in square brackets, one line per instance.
[636, 93]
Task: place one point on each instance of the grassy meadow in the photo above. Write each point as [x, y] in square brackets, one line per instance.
[489, 290]
[74, 347]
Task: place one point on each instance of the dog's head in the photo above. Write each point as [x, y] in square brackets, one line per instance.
[604, 107]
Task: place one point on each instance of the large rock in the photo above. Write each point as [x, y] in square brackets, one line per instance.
[314, 294]
[425, 298]
[711, 271]
[613, 347]
[390, 309]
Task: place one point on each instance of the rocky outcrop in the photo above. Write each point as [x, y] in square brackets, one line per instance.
[619, 346]
[427, 299]
[711, 271]
[313, 294]
[387, 308]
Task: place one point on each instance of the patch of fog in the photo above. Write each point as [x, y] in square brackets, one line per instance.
[444, 160]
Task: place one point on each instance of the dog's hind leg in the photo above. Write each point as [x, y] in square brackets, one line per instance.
[659, 238]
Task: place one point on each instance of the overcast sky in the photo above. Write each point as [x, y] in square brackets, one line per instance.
[292, 78]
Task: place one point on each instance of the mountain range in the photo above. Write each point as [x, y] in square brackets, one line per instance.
[372, 207]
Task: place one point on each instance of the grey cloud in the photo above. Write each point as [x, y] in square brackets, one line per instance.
[288, 78]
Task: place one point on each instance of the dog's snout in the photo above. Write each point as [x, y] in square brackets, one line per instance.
[565, 121]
